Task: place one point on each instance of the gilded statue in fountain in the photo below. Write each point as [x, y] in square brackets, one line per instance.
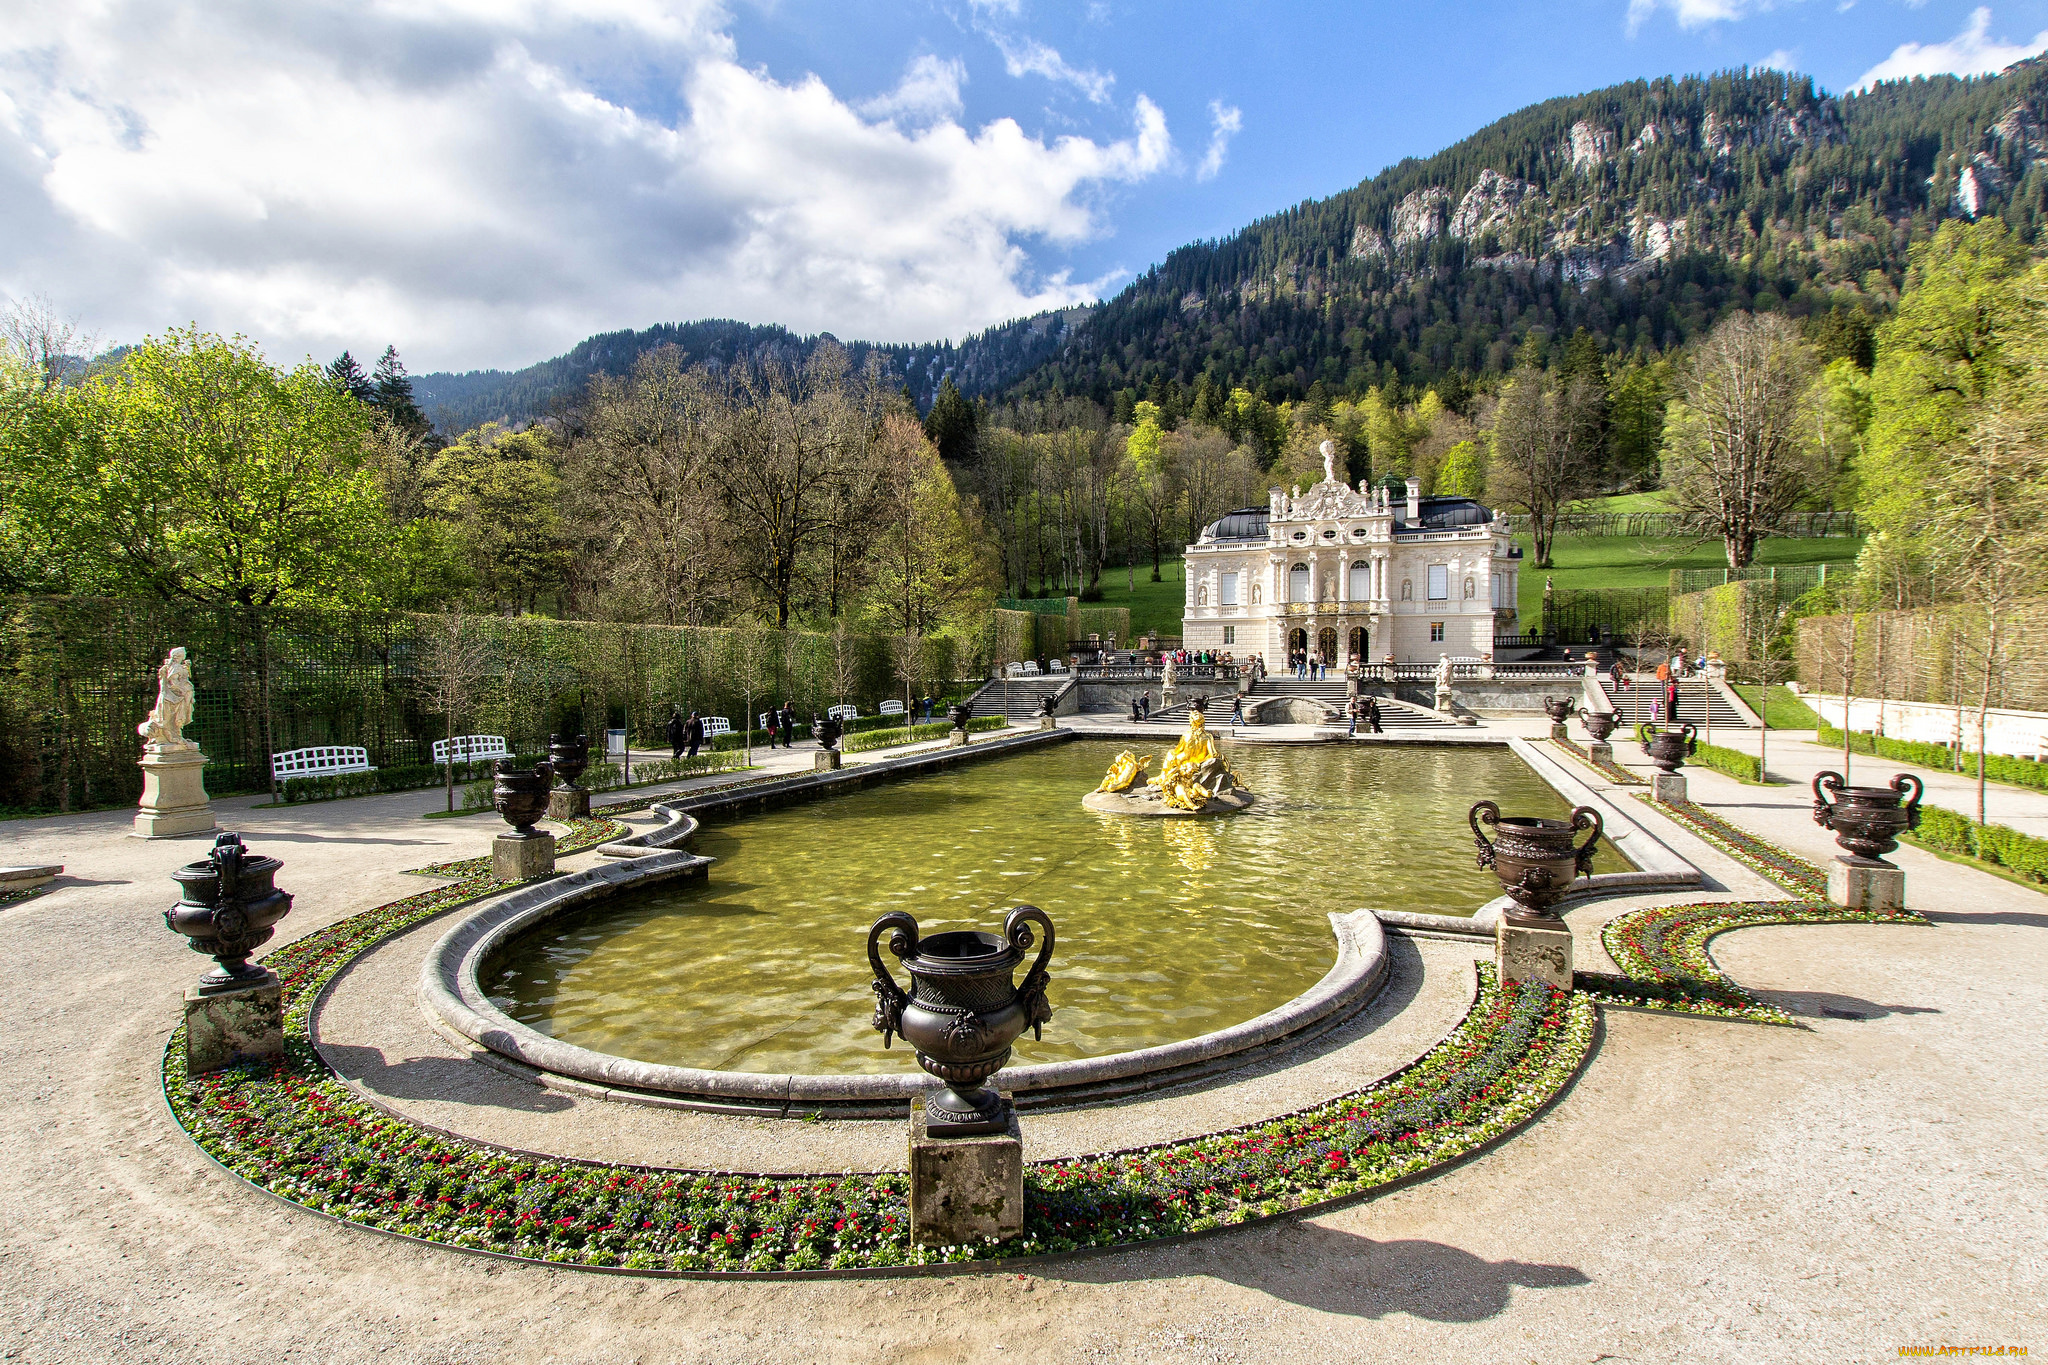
[1194, 779]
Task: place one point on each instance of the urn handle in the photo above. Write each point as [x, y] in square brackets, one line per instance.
[1031, 995]
[1912, 806]
[889, 997]
[1585, 817]
[1488, 811]
[1691, 733]
[1823, 806]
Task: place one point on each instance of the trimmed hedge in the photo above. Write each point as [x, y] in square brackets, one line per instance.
[601, 777]
[1738, 765]
[911, 734]
[2023, 855]
[404, 778]
[2020, 772]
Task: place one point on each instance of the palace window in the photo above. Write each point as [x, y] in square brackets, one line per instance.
[1436, 632]
[1359, 590]
[1226, 590]
[1439, 582]
[1230, 635]
[1297, 583]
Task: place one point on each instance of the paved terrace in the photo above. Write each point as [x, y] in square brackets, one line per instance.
[1708, 1191]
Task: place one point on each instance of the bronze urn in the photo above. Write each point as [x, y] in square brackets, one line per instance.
[828, 731]
[962, 1012]
[1867, 821]
[521, 795]
[569, 755]
[227, 906]
[1559, 709]
[1047, 704]
[1599, 724]
[1669, 749]
[1535, 858]
[959, 713]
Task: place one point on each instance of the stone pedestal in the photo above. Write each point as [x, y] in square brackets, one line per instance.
[955, 738]
[825, 760]
[1557, 731]
[1601, 750]
[1533, 951]
[1668, 788]
[965, 1189]
[1443, 699]
[569, 803]
[1048, 723]
[514, 859]
[232, 1026]
[1866, 886]
[174, 801]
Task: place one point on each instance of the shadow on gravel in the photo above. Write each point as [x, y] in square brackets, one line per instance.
[1827, 1005]
[1994, 917]
[283, 838]
[439, 1078]
[1338, 1272]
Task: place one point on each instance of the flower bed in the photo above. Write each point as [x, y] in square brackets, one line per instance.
[291, 1127]
[1613, 772]
[1780, 865]
[1662, 952]
[583, 834]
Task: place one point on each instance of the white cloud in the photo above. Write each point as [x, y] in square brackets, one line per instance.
[1973, 52]
[929, 90]
[449, 175]
[1029, 57]
[1690, 13]
[1783, 59]
[1225, 121]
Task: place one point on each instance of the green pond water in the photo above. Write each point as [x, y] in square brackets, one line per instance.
[1166, 928]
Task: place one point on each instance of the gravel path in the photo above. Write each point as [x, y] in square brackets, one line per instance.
[1708, 1192]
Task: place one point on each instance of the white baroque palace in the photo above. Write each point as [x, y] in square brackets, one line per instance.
[1352, 573]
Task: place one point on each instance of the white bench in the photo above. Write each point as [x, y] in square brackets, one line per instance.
[1056, 666]
[889, 708]
[1029, 668]
[327, 760]
[716, 725]
[843, 712]
[469, 748]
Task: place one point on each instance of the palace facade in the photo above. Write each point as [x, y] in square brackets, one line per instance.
[1352, 573]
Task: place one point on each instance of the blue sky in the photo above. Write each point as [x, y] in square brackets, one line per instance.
[485, 182]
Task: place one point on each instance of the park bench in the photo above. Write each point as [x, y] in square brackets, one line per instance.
[1056, 666]
[889, 708]
[716, 725]
[326, 760]
[470, 748]
[843, 712]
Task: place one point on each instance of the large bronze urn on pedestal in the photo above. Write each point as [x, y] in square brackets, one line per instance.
[1668, 749]
[1559, 709]
[1535, 858]
[1599, 724]
[1867, 821]
[227, 906]
[962, 1012]
[521, 795]
[568, 755]
[959, 713]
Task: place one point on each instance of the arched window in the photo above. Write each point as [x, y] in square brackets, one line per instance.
[1297, 583]
[1407, 590]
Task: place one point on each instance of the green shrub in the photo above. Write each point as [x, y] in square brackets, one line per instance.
[404, 777]
[1945, 830]
[2020, 772]
[2024, 855]
[912, 734]
[1738, 765]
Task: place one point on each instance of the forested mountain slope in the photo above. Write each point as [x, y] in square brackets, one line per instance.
[1639, 212]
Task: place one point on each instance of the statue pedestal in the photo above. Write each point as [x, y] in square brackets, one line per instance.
[1667, 788]
[569, 803]
[1557, 731]
[1533, 950]
[965, 1189]
[955, 738]
[232, 1026]
[174, 801]
[1866, 886]
[825, 760]
[1601, 750]
[1048, 723]
[1443, 699]
[514, 859]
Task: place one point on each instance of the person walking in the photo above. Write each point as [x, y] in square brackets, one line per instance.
[674, 730]
[1351, 711]
[1372, 715]
[1237, 711]
[693, 733]
[789, 722]
[768, 719]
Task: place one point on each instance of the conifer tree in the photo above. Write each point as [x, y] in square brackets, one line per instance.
[951, 423]
[392, 392]
[348, 375]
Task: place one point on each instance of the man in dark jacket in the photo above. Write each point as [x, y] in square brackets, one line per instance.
[789, 723]
[674, 729]
[693, 733]
[1372, 715]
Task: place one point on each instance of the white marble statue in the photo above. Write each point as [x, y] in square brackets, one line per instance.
[173, 710]
[1166, 678]
[1329, 450]
[1443, 672]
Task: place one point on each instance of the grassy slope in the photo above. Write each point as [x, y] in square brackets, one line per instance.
[1787, 711]
[1154, 606]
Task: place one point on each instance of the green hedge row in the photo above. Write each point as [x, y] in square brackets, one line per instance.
[1737, 764]
[2021, 772]
[911, 734]
[599, 777]
[402, 778]
[2024, 855]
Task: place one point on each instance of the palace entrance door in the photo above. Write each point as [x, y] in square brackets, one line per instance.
[1326, 645]
[1358, 643]
[1297, 644]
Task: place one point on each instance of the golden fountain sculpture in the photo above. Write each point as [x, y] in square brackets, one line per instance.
[1193, 780]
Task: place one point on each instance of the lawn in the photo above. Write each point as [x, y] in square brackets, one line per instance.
[1656, 501]
[1787, 711]
[1647, 561]
[1154, 606]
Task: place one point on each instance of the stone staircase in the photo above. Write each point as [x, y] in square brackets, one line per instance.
[1329, 693]
[1632, 704]
[1018, 698]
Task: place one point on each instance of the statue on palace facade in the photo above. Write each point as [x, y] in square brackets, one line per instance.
[1329, 453]
[164, 728]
